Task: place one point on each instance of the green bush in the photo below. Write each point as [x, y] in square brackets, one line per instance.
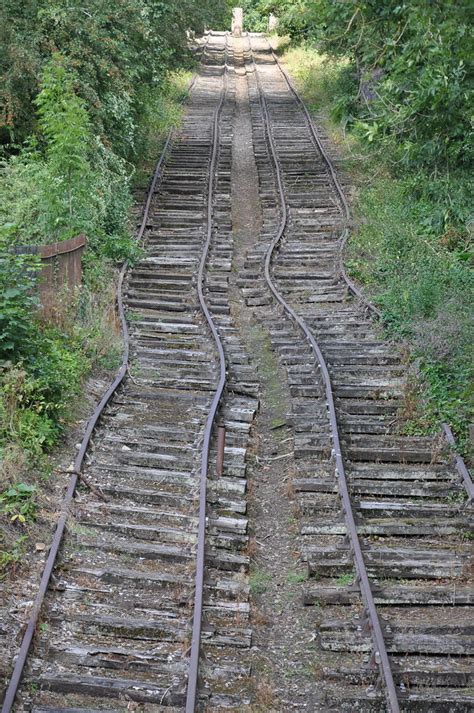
[18, 503]
[116, 51]
[65, 181]
[410, 60]
[86, 96]
[31, 431]
[36, 433]
[69, 204]
[57, 367]
[256, 14]
[35, 394]
[17, 302]
[424, 286]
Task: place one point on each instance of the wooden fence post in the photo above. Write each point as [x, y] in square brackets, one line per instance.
[60, 266]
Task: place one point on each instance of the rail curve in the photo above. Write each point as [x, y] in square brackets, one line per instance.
[464, 474]
[193, 673]
[178, 634]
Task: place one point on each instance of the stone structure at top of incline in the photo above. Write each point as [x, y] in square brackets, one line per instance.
[237, 21]
[272, 22]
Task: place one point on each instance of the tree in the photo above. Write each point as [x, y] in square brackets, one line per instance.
[414, 56]
[68, 199]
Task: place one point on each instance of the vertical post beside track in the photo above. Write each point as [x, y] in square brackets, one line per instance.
[220, 449]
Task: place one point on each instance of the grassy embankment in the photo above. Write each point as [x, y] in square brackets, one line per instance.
[409, 249]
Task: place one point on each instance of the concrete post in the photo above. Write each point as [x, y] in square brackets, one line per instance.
[237, 21]
[272, 22]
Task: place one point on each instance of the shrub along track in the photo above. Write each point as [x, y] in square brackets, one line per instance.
[383, 517]
[122, 623]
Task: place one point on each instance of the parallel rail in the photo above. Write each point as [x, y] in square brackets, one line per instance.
[358, 443]
[464, 474]
[215, 390]
[193, 673]
[33, 620]
[344, 203]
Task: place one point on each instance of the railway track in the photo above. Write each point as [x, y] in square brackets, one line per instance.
[399, 535]
[122, 619]
[149, 607]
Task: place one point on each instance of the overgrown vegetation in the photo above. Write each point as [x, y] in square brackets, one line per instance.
[259, 582]
[18, 502]
[86, 94]
[391, 80]
[121, 55]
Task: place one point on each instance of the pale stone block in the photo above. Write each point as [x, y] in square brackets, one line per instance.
[237, 21]
[272, 22]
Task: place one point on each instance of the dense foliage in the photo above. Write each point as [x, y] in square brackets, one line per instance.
[64, 181]
[85, 87]
[394, 75]
[409, 64]
[80, 88]
[120, 52]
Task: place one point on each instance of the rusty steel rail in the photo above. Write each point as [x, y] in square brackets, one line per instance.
[459, 463]
[458, 460]
[157, 173]
[193, 669]
[22, 656]
[380, 649]
[65, 505]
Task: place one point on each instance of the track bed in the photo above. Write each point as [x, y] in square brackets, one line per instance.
[153, 595]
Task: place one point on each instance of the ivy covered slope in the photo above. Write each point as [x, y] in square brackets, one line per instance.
[392, 79]
[87, 91]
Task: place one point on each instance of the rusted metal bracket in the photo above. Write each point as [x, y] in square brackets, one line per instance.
[461, 468]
